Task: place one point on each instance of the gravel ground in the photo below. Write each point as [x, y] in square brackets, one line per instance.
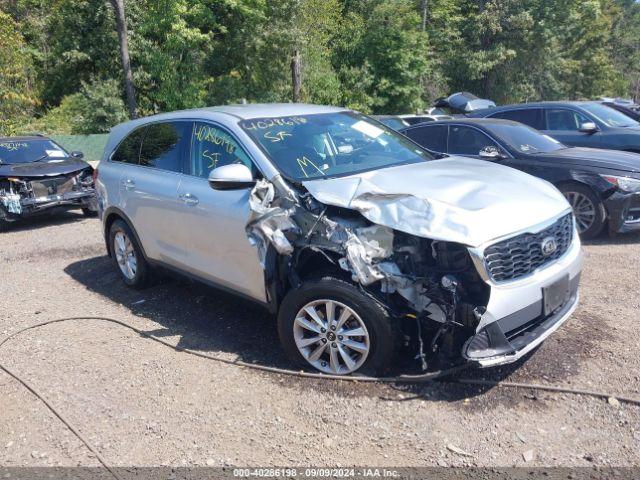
[143, 404]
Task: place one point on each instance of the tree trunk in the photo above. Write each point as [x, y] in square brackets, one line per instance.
[296, 76]
[121, 25]
[425, 10]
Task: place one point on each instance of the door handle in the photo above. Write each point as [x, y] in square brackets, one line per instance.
[128, 184]
[189, 199]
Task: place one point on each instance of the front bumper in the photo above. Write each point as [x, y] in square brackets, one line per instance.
[27, 206]
[623, 211]
[514, 323]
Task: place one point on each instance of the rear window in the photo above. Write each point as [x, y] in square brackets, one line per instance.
[432, 137]
[531, 117]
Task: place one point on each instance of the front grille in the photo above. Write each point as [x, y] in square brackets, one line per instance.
[518, 256]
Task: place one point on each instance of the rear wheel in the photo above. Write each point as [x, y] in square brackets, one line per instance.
[127, 255]
[587, 208]
[332, 326]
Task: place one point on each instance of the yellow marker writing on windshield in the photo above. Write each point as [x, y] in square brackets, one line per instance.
[305, 162]
[276, 137]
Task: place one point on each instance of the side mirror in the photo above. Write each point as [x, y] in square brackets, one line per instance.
[231, 177]
[490, 153]
[588, 127]
[77, 154]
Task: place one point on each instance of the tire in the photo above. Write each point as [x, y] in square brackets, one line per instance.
[123, 244]
[588, 209]
[89, 213]
[382, 332]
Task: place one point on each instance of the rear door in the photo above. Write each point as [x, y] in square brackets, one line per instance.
[149, 191]
[219, 250]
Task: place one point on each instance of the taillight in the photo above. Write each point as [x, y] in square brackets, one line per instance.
[95, 175]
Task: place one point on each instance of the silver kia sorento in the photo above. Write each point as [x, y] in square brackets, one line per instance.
[359, 240]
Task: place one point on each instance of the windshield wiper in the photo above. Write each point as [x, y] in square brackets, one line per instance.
[46, 155]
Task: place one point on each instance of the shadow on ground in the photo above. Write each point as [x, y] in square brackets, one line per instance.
[208, 320]
[48, 219]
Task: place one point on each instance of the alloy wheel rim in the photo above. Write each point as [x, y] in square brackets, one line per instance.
[125, 255]
[331, 337]
[583, 209]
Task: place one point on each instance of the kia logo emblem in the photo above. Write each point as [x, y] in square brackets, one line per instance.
[549, 246]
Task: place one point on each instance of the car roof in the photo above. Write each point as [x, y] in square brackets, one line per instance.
[255, 110]
[515, 106]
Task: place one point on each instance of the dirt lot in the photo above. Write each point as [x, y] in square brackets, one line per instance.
[143, 404]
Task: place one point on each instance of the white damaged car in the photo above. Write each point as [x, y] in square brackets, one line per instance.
[361, 241]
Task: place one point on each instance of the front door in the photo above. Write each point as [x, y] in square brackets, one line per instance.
[564, 124]
[218, 247]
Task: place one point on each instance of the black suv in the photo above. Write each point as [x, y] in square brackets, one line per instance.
[600, 185]
[579, 124]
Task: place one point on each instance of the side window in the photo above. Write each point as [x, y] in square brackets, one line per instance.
[129, 148]
[468, 141]
[433, 137]
[212, 147]
[529, 116]
[164, 145]
[565, 120]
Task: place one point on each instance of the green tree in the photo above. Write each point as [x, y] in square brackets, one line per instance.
[17, 96]
[94, 109]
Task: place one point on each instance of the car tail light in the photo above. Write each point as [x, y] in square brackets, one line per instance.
[95, 175]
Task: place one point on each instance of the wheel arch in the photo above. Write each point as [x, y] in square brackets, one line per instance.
[112, 214]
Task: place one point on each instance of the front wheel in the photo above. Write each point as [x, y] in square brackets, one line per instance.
[331, 325]
[587, 208]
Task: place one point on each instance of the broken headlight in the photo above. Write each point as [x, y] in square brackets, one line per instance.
[626, 184]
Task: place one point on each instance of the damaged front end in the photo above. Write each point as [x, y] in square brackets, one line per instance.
[27, 196]
[431, 287]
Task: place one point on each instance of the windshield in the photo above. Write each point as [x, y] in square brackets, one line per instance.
[25, 151]
[609, 116]
[525, 139]
[331, 144]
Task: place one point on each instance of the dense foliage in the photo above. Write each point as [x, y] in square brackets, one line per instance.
[60, 67]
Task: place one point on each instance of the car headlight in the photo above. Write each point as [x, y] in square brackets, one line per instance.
[624, 183]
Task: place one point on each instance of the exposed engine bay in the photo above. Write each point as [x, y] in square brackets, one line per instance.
[430, 286]
[26, 196]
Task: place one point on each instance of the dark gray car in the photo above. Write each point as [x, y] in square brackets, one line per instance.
[578, 124]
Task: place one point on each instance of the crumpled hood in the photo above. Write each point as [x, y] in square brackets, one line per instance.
[44, 168]
[453, 199]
